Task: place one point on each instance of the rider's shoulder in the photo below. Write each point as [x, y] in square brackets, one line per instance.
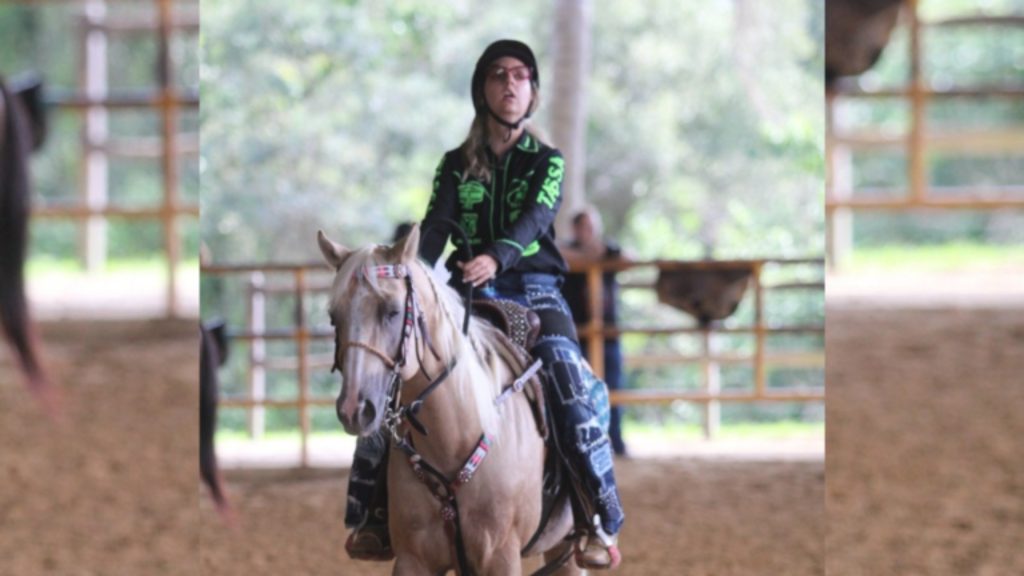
[454, 158]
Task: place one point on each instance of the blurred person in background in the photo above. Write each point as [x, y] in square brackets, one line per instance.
[587, 247]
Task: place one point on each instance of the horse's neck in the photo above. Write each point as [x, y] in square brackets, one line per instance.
[450, 413]
[450, 417]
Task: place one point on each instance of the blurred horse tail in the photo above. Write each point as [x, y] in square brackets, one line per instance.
[213, 354]
[15, 146]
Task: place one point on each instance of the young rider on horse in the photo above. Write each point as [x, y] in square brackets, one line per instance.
[503, 186]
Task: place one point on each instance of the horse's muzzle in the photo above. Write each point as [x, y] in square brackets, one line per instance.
[361, 419]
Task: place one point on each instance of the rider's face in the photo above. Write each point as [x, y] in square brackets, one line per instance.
[508, 89]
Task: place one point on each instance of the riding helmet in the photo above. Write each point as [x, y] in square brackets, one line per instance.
[501, 49]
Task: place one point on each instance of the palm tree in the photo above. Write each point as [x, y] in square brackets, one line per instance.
[569, 100]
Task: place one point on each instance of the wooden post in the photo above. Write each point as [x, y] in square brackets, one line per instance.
[595, 301]
[917, 177]
[759, 328]
[96, 168]
[712, 373]
[839, 187]
[169, 116]
[302, 346]
[257, 320]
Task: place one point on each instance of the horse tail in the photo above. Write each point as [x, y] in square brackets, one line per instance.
[212, 354]
[14, 212]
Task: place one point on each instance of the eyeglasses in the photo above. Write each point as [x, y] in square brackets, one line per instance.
[501, 74]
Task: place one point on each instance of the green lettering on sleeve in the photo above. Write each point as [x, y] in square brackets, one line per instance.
[552, 186]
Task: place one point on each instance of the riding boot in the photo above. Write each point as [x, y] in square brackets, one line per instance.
[366, 511]
[579, 405]
[599, 550]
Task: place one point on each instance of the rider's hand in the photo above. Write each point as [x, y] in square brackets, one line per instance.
[479, 270]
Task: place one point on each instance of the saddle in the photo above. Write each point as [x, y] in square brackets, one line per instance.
[517, 322]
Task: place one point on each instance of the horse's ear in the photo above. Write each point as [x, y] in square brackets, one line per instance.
[408, 248]
[334, 253]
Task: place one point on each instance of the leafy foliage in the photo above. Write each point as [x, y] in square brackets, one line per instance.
[704, 132]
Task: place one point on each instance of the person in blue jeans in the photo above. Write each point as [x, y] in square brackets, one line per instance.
[503, 186]
[588, 246]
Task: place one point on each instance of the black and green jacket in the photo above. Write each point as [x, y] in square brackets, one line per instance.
[512, 218]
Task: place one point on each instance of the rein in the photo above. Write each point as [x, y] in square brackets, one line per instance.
[468, 249]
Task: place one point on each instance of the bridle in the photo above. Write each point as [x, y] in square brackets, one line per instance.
[412, 324]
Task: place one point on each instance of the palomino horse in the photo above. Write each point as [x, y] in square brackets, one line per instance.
[469, 491]
[16, 143]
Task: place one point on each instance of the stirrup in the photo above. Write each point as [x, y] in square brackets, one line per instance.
[370, 542]
[601, 551]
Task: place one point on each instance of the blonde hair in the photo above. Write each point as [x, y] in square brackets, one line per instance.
[474, 148]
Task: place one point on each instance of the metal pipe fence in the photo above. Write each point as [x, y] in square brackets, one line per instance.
[302, 283]
[93, 99]
[918, 141]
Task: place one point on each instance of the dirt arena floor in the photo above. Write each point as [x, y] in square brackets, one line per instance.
[925, 461]
[925, 474]
[110, 488]
[684, 517]
[694, 517]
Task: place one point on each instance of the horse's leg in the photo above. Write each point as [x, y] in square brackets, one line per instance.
[409, 565]
[14, 212]
[504, 561]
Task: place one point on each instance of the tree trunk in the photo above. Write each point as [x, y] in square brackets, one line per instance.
[568, 101]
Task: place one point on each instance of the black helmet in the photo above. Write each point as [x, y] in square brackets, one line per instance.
[501, 49]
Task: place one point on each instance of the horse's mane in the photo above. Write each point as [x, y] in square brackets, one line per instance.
[476, 380]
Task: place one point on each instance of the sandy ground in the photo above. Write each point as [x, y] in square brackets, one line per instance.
[110, 488]
[684, 516]
[925, 418]
[925, 475]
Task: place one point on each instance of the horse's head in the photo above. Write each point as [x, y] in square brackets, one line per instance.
[370, 300]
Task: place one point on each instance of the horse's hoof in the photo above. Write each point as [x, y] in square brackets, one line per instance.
[370, 544]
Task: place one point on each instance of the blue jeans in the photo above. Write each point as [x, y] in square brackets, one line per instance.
[577, 399]
[613, 377]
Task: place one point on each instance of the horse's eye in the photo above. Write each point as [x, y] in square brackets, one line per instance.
[389, 312]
